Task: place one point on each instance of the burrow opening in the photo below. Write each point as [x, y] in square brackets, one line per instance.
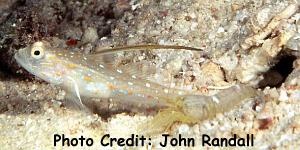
[276, 75]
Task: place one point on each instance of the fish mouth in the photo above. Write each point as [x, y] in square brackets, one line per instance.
[22, 59]
[19, 57]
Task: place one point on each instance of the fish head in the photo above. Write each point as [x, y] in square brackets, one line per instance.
[41, 61]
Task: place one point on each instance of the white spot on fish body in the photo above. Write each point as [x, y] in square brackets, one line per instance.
[119, 71]
[147, 84]
[130, 83]
[133, 76]
[97, 87]
[215, 99]
[101, 66]
[123, 91]
[166, 90]
[172, 85]
[141, 95]
[180, 93]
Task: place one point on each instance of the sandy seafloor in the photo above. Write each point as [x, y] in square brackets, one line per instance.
[32, 111]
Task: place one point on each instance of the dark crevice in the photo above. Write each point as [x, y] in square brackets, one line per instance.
[276, 75]
[29, 21]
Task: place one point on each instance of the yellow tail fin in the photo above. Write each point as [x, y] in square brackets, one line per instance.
[164, 120]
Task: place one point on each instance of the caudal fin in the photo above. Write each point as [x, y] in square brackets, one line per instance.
[164, 120]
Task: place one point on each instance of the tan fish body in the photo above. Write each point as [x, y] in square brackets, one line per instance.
[85, 76]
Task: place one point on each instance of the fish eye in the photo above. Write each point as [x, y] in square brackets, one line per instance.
[37, 52]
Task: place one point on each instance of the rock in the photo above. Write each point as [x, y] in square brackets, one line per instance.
[6, 8]
[90, 35]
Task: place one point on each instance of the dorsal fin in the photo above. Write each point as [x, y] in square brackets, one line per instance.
[106, 58]
[144, 47]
